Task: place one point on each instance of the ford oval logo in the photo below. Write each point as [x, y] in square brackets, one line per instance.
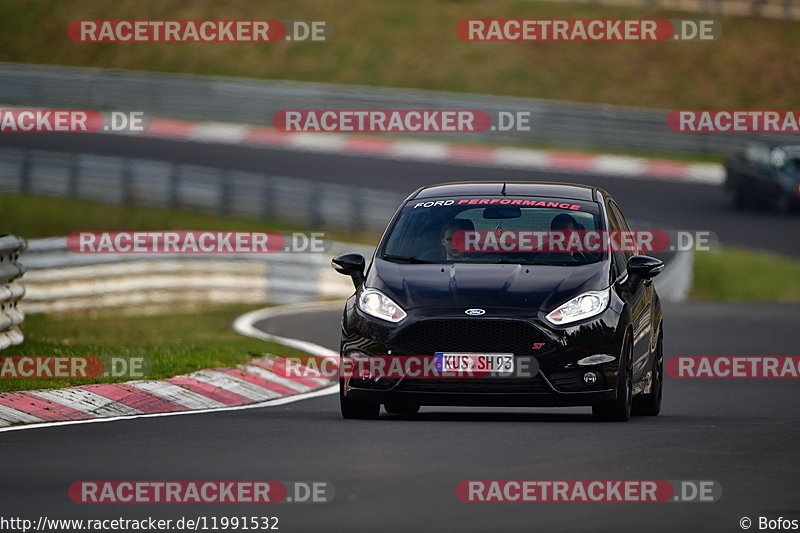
[475, 312]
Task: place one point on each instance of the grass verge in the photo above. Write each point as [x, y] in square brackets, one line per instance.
[413, 43]
[174, 344]
[33, 216]
[735, 274]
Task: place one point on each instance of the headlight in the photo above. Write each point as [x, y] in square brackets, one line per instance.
[375, 303]
[586, 305]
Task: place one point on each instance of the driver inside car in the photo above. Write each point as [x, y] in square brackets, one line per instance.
[565, 224]
[448, 251]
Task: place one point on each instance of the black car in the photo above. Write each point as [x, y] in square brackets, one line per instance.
[765, 175]
[587, 326]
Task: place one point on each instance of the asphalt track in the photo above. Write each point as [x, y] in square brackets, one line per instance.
[669, 205]
[399, 474]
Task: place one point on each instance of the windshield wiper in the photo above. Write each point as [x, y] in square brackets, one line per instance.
[405, 258]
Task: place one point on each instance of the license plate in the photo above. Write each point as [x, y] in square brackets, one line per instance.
[474, 362]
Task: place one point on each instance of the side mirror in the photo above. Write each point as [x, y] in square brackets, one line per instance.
[350, 265]
[643, 267]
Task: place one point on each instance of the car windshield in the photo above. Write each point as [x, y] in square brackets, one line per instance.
[519, 230]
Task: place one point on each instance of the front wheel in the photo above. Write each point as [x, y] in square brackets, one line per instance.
[740, 201]
[650, 404]
[619, 409]
[357, 409]
[783, 204]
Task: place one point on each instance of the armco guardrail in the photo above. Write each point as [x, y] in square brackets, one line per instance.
[553, 123]
[59, 280]
[119, 180]
[11, 291]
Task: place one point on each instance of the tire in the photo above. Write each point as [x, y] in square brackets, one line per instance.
[619, 409]
[782, 204]
[740, 202]
[650, 404]
[357, 409]
[399, 409]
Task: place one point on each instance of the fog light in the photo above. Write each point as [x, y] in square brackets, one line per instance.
[590, 378]
[597, 359]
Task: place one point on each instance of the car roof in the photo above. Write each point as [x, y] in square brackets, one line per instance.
[572, 191]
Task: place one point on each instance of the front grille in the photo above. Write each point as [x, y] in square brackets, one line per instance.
[469, 335]
[476, 385]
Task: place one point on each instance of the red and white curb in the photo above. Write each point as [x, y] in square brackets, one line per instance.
[261, 382]
[436, 151]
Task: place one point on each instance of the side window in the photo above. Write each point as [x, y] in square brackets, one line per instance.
[614, 225]
[623, 225]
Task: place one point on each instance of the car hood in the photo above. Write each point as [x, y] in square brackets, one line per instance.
[484, 285]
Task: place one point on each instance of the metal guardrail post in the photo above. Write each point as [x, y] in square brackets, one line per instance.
[357, 220]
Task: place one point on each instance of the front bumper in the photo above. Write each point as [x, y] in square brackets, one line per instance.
[398, 395]
[556, 377]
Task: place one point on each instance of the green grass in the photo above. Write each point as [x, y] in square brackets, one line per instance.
[174, 343]
[32, 216]
[412, 43]
[735, 274]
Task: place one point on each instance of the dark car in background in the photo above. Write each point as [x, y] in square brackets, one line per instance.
[588, 325]
[765, 175]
